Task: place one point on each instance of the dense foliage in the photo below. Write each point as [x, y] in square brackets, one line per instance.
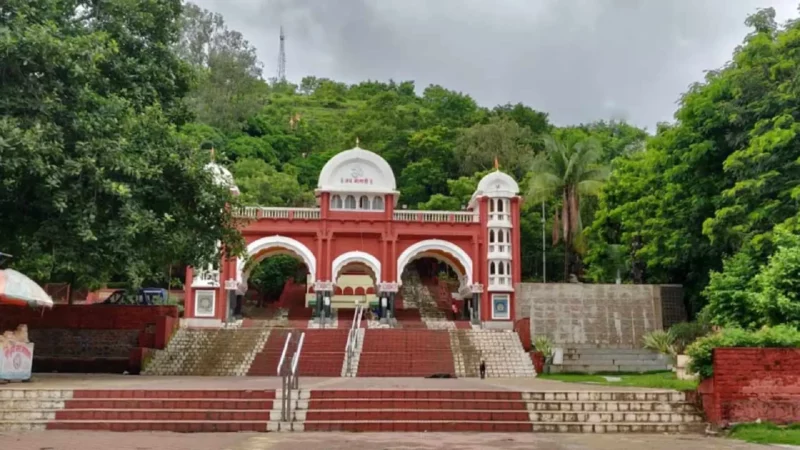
[714, 186]
[95, 183]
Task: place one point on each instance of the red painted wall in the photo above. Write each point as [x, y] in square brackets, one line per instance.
[96, 317]
[751, 384]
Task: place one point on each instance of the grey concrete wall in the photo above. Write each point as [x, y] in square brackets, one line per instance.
[606, 315]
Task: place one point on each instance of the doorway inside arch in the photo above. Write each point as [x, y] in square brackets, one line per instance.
[277, 283]
[431, 292]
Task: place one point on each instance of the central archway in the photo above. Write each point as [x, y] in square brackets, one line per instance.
[356, 257]
[431, 247]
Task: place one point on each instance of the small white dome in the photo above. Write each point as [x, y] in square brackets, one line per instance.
[497, 184]
[222, 176]
[357, 170]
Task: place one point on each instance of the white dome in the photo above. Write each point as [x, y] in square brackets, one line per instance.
[357, 170]
[222, 176]
[497, 184]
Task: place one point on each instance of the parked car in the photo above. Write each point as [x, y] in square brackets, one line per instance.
[143, 297]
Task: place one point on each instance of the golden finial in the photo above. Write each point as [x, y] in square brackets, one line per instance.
[358, 141]
[496, 164]
[212, 153]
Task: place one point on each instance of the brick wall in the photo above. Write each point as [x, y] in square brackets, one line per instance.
[91, 338]
[96, 317]
[596, 314]
[751, 384]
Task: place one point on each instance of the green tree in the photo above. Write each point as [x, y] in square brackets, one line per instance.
[229, 84]
[261, 184]
[571, 173]
[96, 184]
[477, 147]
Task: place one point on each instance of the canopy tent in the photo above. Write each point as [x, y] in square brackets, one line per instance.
[18, 289]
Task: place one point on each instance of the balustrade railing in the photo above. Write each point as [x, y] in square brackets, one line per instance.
[436, 216]
[288, 374]
[262, 212]
[352, 338]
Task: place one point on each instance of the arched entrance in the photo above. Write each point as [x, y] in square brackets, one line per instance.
[446, 271]
[355, 276]
[269, 267]
[441, 250]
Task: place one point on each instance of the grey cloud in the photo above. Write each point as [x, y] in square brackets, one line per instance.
[579, 60]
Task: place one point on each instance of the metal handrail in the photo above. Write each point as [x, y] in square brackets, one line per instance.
[296, 360]
[283, 354]
[352, 338]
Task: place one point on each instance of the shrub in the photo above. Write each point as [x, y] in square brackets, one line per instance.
[685, 333]
[544, 345]
[660, 341]
[701, 351]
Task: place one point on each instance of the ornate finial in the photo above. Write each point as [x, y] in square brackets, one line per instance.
[496, 164]
[358, 141]
[212, 153]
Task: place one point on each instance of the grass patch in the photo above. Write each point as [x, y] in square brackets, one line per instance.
[766, 433]
[656, 380]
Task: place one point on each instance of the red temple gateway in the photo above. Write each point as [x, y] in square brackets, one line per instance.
[357, 243]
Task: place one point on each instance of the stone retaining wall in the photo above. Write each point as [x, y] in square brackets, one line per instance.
[609, 315]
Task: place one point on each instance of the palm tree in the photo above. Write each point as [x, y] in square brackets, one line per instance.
[571, 172]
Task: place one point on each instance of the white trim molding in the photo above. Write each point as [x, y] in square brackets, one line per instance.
[434, 244]
[356, 256]
[287, 243]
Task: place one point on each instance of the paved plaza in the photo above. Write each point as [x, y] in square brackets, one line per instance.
[78, 440]
[129, 382]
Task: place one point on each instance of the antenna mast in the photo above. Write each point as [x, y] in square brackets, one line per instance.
[282, 58]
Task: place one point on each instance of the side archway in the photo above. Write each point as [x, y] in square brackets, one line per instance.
[434, 245]
[356, 257]
[276, 243]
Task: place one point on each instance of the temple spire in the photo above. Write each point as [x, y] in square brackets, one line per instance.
[496, 164]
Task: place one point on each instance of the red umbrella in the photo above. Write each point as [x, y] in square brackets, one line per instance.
[17, 289]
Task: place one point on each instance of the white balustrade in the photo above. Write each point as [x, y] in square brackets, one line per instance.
[501, 249]
[436, 216]
[499, 282]
[263, 212]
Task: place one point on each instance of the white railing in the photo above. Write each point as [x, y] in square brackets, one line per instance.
[500, 248]
[436, 216]
[502, 217]
[352, 338]
[263, 212]
[499, 281]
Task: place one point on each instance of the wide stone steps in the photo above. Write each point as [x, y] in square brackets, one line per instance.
[596, 360]
[183, 426]
[498, 411]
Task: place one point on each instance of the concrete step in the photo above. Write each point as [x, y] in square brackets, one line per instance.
[183, 426]
[611, 406]
[596, 368]
[498, 426]
[615, 417]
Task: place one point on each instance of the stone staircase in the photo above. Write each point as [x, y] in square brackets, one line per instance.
[322, 355]
[216, 352]
[494, 411]
[600, 360]
[501, 351]
[150, 410]
[349, 410]
[405, 353]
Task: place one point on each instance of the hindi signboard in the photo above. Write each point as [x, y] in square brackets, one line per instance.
[16, 361]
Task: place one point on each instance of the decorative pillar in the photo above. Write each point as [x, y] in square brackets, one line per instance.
[477, 290]
[323, 289]
[388, 291]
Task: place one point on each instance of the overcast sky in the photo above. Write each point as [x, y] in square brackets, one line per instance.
[578, 60]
